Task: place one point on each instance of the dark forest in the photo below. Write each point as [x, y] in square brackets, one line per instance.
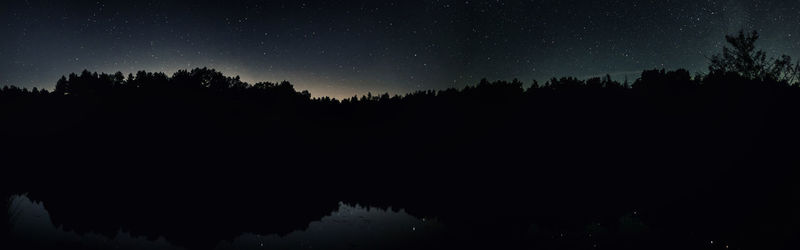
[669, 160]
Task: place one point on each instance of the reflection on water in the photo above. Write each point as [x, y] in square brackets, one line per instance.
[348, 227]
[32, 227]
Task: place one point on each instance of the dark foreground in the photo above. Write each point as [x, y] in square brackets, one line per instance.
[694, 165]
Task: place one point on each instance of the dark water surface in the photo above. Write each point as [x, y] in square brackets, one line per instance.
[345, 227]
[104, 223]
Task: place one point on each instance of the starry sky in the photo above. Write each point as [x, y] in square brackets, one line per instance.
[342, 48]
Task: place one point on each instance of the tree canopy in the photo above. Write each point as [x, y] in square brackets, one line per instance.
[744, 59]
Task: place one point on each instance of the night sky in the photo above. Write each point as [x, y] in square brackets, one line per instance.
[343, 48]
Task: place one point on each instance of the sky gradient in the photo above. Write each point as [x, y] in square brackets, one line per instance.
[343, 48]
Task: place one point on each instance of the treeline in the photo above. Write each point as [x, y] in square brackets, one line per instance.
[707, 156]
[211, 82]
[741, 64]
[88, 84]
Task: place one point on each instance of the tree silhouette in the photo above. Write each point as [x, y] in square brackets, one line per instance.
[745, 60]
[583, 141]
